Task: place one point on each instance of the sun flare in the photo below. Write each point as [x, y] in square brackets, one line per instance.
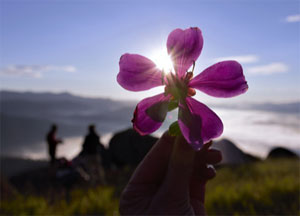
[162, 60]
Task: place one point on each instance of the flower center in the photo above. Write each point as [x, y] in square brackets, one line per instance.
[178, 87]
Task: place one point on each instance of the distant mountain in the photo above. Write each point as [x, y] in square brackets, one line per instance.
[231, 154]
[26, 117]
[54, 105]
[292, 107]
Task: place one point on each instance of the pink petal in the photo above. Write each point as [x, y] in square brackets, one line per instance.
[198, 123]
[184, 46]
[224, 79]
[150, 113]
[138, 73]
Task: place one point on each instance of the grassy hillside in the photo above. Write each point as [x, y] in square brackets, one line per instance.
[270, 187]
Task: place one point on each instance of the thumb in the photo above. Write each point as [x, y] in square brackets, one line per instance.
[174, 190]
[180, 166]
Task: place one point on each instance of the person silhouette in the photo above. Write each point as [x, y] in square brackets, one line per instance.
[52, 143]
[92, 145]
[92, 149]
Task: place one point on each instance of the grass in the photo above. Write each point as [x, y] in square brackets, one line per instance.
[263, 188]
[97, 201]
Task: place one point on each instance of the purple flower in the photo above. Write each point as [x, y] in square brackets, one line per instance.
[197, 122]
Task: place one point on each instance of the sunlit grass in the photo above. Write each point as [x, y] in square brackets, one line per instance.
[97, 201]
[270, 187]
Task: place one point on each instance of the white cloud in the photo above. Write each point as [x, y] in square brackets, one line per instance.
[272, 68]
[35, 71]
[241, 59]
[293, 18]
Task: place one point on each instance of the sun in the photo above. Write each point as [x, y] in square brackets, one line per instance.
[162, 60]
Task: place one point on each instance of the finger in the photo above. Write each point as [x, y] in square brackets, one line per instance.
[200, 155]
[173, 194]
[198, 182]
[208, 173]
[203, 172]
[213, 156]
[153, 167]
[208, 155]
[175, 186]
[143, 184]
[197, 189]
[203, 157]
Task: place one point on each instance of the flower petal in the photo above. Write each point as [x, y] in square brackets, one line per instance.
[150, 113]
[198, 123]
[138, 73]
[184, 46]
[224, 79]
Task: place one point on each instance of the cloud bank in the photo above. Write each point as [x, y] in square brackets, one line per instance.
[265, 69]
[243, 59]
[272, 68]
[35, 71]
[293, 18]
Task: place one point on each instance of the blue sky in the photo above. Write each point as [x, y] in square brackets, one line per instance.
[75, 46]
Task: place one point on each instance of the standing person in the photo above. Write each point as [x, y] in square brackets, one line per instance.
[92, 149]
[92, 145]
[52, 142]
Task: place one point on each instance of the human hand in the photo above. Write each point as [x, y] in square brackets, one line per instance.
[170, 180]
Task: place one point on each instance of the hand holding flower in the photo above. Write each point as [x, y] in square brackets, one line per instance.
[170, 180]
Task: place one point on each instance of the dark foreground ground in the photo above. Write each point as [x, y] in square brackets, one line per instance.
[269, 187]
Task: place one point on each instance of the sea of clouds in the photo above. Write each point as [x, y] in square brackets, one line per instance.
[255, 132]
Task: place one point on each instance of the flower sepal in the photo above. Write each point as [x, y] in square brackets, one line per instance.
[174, 129]
[173, 104]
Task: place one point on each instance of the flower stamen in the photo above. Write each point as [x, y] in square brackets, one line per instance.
[193, 66]
[191, 92]
[163, 77]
